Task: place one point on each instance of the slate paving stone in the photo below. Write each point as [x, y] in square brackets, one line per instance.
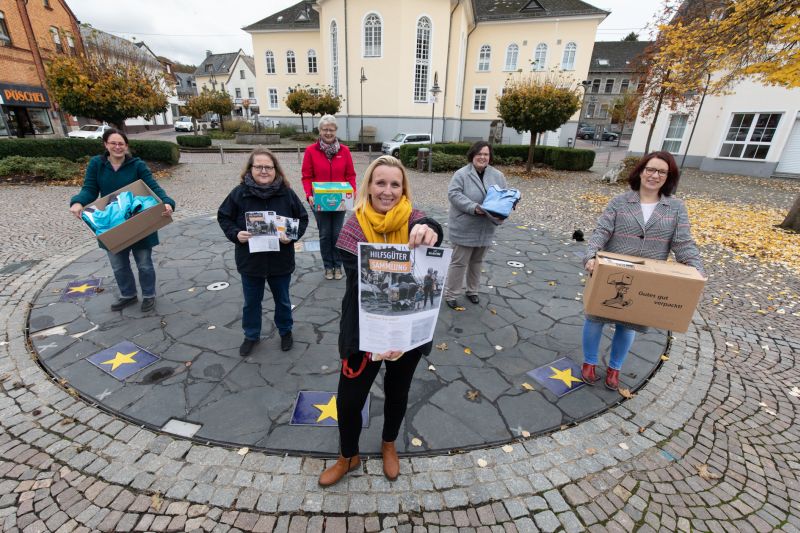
[535, 320]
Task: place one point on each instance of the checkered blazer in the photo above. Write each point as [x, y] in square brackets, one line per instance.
[621, 229]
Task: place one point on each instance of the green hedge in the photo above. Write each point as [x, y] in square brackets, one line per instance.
[74, 149]
[193, 141]
[560, 158]
[54, 168]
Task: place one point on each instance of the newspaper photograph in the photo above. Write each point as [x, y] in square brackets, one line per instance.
[399, 294]
[263, 229]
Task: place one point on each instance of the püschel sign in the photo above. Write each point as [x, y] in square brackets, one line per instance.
[24, 95]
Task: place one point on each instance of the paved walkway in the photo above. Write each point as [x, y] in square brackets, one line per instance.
[710, 443]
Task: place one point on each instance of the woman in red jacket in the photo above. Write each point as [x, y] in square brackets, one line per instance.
[327, 160]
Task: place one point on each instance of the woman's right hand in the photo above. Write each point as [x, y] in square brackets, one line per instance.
[310, 200]
[479, 210]
[589, 267]
[76, 209]
[243, 236]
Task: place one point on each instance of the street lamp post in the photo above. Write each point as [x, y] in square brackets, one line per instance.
[435, 90]
[361, 132]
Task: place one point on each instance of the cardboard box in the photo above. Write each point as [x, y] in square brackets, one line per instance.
[135, 228]
[332, 195]
[641, 291]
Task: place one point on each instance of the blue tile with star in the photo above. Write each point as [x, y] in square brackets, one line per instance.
[123, 360]
[84, 288]
[318, 408]
[560, 377]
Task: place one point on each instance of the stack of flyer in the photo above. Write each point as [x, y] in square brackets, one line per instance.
[267, 228]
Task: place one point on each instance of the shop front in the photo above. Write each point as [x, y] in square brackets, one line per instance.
[26, 111]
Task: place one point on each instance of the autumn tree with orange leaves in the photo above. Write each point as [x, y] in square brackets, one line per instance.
[707, 46]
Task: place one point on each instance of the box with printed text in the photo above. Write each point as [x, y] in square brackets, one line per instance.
[332, 195]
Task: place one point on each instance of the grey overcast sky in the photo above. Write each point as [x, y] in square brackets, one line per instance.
[183, 30]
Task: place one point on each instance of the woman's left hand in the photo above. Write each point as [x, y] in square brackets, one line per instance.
[284, 240]
[167, 211]
[422, 235]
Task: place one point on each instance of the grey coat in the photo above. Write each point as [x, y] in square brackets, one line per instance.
[466, 192]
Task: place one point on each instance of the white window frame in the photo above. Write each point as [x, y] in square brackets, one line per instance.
[374, 48]
[591, 108]
[613, 82]
[748, 141]
[625, 86]
[485, 99]
[270, 92]
[484, 58]
[241, 74]
[291, 62]
[56, 35]
[269, 62]
[673, 140]
[603, 111]
[313, 64]
[569, 56]
[334, 33]
[512, 57]
[539, 64]
[251, 92]
[237, 92]
[422, 60]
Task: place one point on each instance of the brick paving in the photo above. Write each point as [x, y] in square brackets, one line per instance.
[709, 444]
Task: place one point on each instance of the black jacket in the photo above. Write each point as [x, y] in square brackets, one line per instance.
[231, 219]
[348, 327]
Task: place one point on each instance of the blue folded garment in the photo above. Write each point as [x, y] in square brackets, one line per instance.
[118, 210]
[499, 202]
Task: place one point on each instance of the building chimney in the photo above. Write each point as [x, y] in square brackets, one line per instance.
[208, 53]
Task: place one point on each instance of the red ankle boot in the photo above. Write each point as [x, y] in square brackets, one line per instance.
[612, 379]
[588, 374]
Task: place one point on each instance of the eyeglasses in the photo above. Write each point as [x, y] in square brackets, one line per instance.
[116, 144]
[651, 171]
[262, 168]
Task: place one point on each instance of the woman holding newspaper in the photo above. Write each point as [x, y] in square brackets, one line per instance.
[383, 214]
[264, 189]
[646, 221]
[471, 228]
[105, 174]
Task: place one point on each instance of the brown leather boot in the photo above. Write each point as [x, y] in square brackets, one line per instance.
[588, 374]
[342, 466]
[391, 463]
[612, 379]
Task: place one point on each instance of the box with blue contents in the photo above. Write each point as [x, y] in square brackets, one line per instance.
[125, 216]
[332, 195]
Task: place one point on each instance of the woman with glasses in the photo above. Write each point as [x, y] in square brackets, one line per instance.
[263, 187]
[106, 173]
[328, 160]
[645, 222]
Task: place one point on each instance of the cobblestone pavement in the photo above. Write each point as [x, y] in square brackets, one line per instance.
[709, 444]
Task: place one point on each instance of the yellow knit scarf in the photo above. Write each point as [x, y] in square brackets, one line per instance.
[391, 227]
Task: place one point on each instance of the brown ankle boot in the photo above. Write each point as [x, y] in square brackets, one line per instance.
[391, 463]
[588, 374]
[342, 466]
[612, 379]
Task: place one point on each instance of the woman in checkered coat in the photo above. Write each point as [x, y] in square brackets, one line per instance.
[646, 222]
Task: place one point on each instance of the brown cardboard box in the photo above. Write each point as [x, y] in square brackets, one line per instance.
[137, 227]
[643, 291]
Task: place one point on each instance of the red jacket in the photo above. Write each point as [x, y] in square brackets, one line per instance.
[316, 167]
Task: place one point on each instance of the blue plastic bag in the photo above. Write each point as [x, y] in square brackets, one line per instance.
[500, 202]
[117, 211]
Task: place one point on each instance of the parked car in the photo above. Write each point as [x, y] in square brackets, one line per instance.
[184, 124]
[393, 147]
[588, 132]
[89, 131]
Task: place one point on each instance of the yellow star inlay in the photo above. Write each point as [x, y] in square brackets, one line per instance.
[327, 410]
[80, 288]
[121, 359]
[565, 376]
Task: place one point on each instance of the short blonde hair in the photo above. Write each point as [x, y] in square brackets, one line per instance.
[327, 119]
[362, 194]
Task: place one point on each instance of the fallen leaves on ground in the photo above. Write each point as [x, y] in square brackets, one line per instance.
[482, 462]
[156, 501]
[508, 448]
[467, 351]
[626, 393]
[243, 451]
[473, 395]
[416, 442]
[703, 472]
[527, 386]
[442, 347]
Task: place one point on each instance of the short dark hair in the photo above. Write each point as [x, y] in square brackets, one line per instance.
[111, 131]
[673, 174]
[477, 147]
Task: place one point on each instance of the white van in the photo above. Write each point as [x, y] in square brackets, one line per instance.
[393, 147]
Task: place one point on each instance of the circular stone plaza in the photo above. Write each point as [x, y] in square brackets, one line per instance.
[131, 421]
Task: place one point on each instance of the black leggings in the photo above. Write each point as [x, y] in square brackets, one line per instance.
[353, 393]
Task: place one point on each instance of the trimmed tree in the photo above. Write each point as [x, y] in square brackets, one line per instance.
[538, 103]
[624, 110]
[196, 107]
[297, 102]
[220, 103]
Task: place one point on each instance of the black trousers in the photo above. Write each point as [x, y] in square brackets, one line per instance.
[353, 394]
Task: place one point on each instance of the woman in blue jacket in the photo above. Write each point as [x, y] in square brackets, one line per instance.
[263, 187]
[105, 174]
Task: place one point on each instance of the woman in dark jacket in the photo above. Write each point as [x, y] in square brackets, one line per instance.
[383, 213]
[263, 187]
[646, 221]
[105, 174]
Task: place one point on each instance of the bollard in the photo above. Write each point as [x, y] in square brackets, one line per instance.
[608, 159]
[221, 155]
[298, 155]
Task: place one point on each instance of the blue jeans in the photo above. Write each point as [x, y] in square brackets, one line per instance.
[620, 344]
[329, 225]
[121, 265]
[253, 289]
